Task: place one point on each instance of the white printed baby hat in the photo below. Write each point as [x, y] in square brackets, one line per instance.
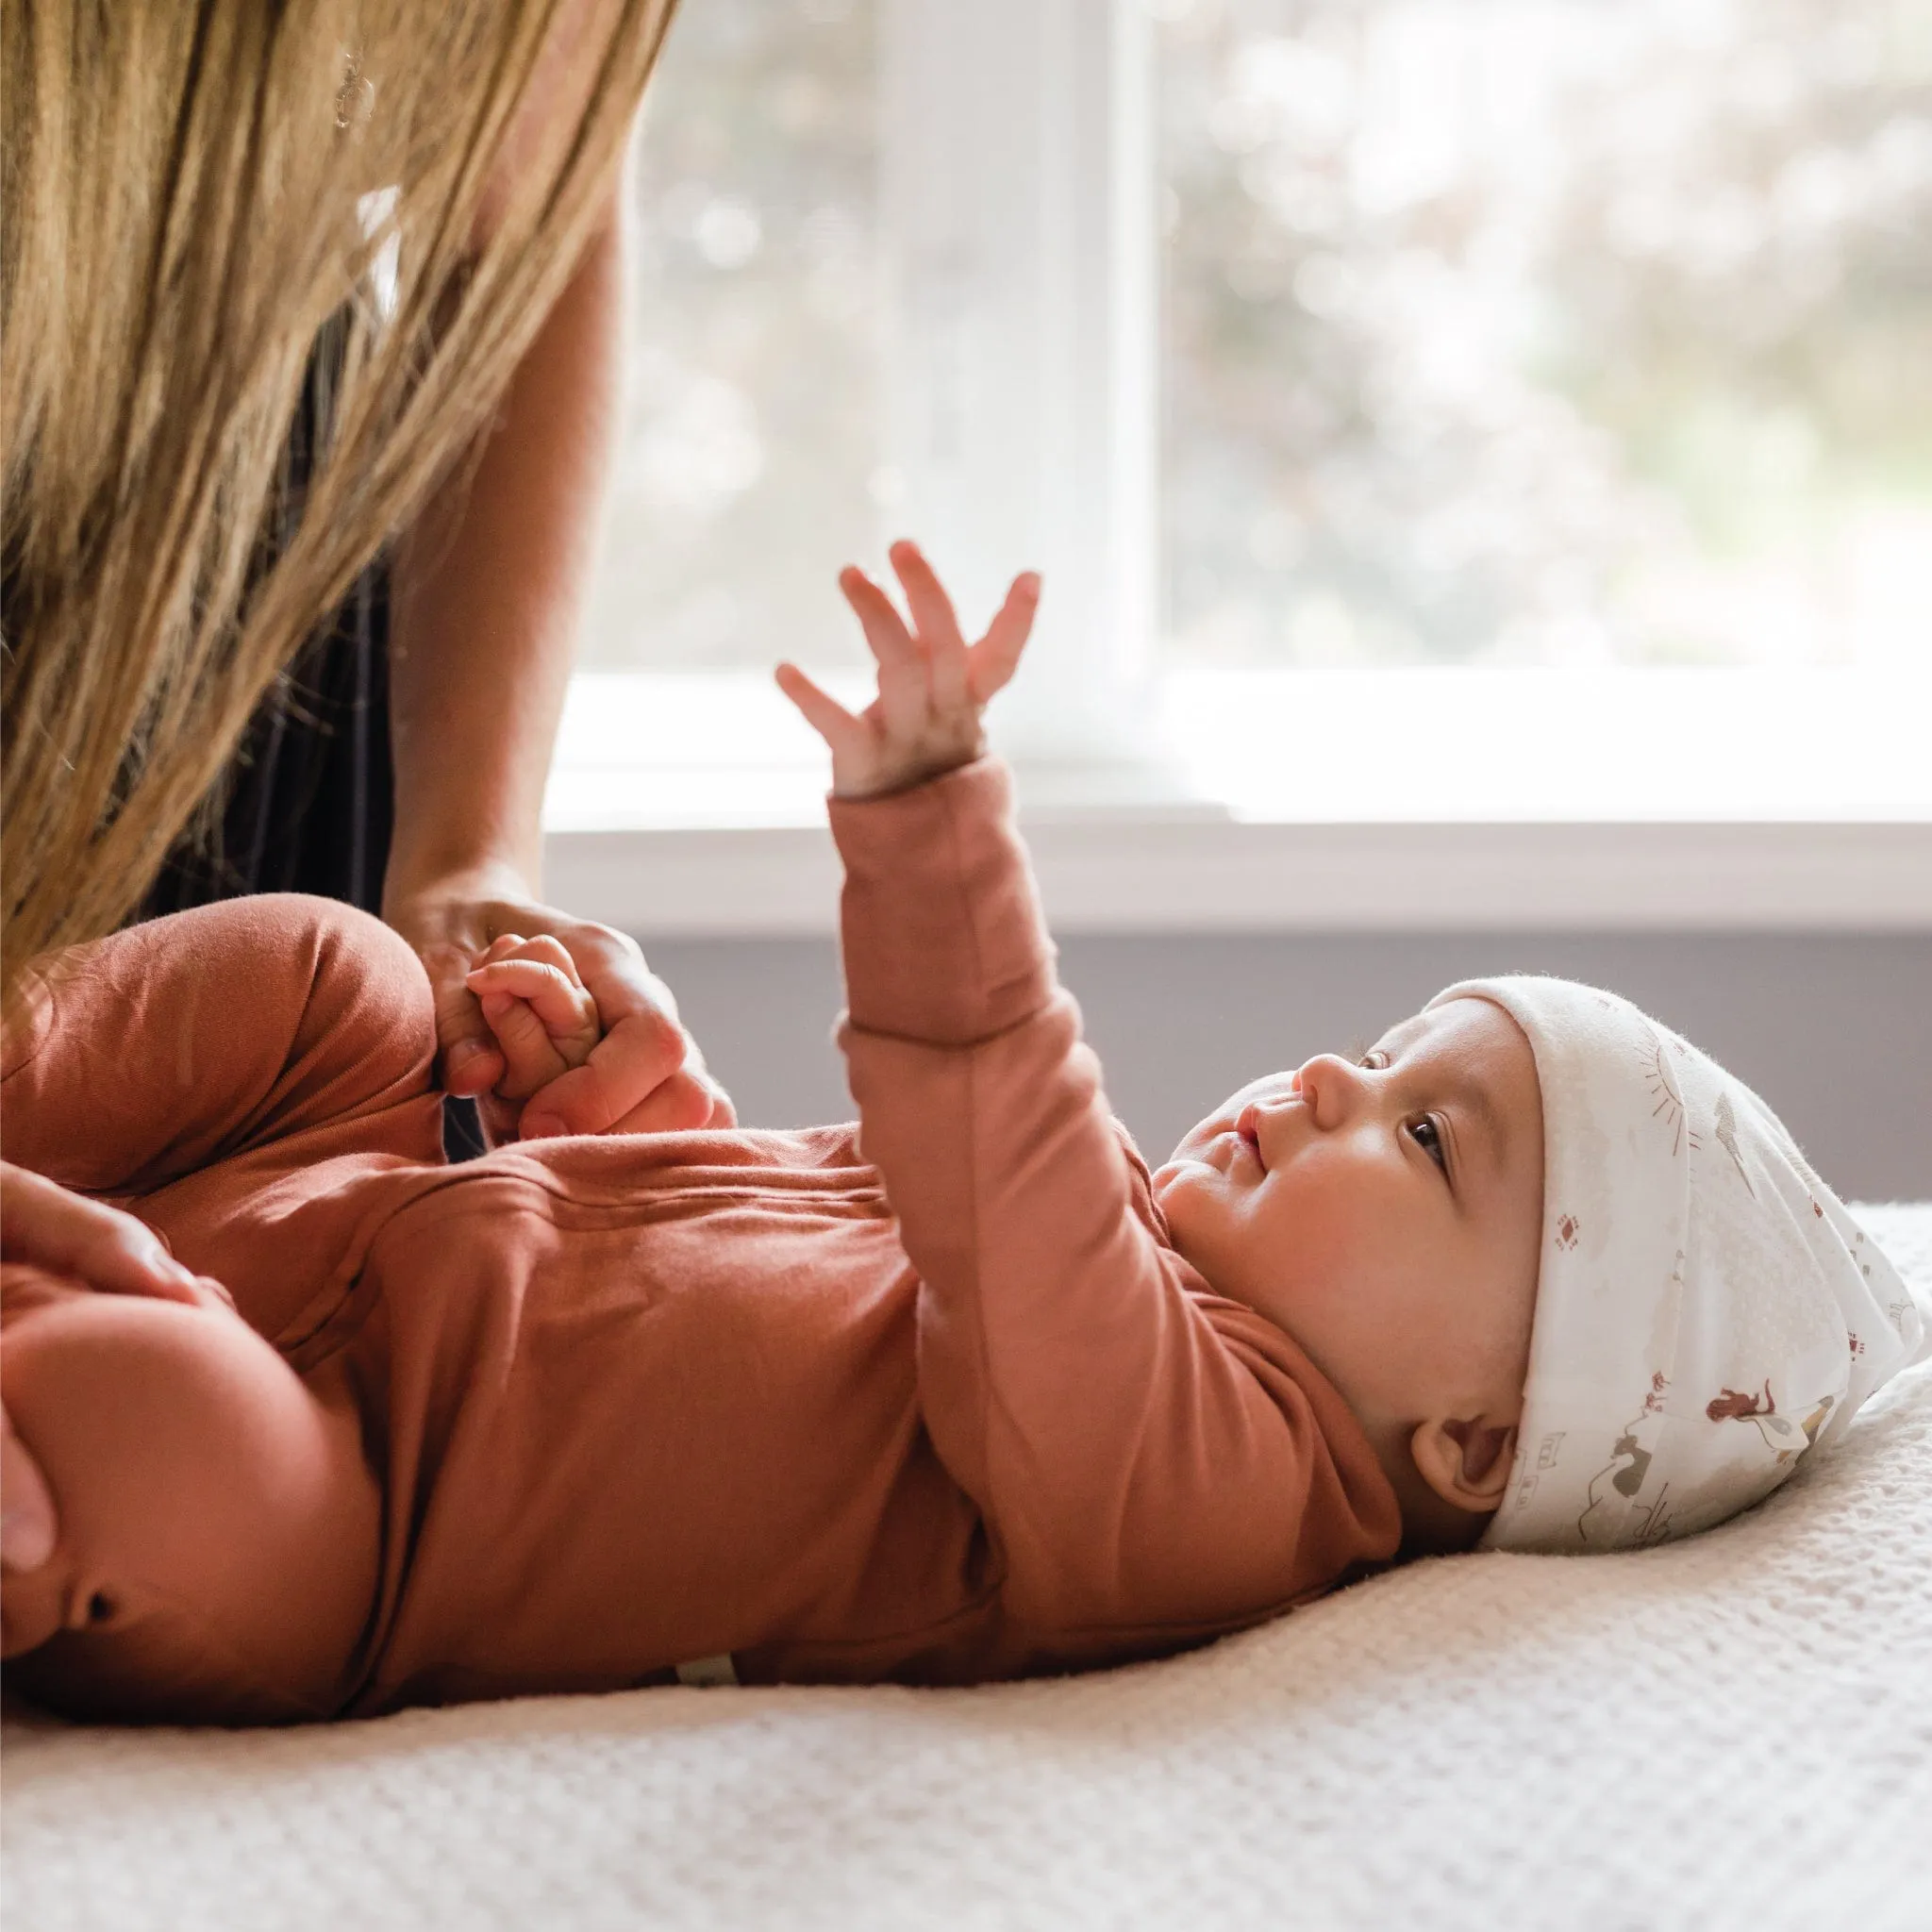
[1706, 1311]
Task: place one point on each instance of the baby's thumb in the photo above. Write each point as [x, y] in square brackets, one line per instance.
[471, 1062]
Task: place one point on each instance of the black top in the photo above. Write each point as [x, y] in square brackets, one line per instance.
[309, 801]
[310, 796]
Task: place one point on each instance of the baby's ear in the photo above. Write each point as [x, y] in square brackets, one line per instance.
[1465, 1461]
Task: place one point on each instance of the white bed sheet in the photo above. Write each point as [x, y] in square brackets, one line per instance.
[1733, 1732]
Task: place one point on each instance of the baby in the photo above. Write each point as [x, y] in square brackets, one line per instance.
[979, 1397]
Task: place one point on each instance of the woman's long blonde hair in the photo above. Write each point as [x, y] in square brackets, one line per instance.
[187, 192]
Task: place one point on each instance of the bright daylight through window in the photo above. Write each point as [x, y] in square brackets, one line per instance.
[1550, 331]
[1496, 339]
[751, 444]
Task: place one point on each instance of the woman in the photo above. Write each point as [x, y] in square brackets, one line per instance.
[195, 197]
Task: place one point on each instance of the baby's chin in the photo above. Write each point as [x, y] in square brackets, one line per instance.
[1190, 1161]
[1184, 1188]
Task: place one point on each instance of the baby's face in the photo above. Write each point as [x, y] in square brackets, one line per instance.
[1386, 1213]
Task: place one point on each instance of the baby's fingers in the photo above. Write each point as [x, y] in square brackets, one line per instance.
[994, 658]
[886, 634]
[542, 1019]
[530, 1057]
[938, 629]
[844, 734]
[565, 1011]
[933, 615]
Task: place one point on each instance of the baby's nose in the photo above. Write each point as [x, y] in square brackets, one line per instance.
[1327, 1086]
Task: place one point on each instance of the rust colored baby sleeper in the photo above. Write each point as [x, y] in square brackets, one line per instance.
[931, 1399]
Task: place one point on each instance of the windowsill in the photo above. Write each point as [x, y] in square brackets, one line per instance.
[690, 805]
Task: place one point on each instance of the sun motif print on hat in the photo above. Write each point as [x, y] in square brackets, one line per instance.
[1708, 1312]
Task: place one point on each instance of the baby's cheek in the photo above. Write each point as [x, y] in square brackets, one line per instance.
[1184, 1190]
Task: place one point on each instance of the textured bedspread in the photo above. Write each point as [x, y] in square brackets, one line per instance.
[1732, 1732]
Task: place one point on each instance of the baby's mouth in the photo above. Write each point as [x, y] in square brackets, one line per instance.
[1247, 1129]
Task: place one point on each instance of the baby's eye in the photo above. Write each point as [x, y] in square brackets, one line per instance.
[1428, 1137]
[1375, 1060]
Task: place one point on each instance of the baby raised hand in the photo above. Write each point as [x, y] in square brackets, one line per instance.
[544, 1020]
[933, 686]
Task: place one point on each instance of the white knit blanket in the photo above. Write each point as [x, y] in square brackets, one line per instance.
[1736, 1731]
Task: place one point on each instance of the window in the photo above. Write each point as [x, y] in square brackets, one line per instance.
[1535, 390]
[1547, 331]
[750, 451]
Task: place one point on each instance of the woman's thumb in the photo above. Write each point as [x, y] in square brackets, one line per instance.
[471, 1062]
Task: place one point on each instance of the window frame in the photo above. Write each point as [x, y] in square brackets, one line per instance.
[1021, 412]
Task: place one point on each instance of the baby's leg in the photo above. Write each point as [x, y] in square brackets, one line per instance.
[162, 1049]
[219, 1524]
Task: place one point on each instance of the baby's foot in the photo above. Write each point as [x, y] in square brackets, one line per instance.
[544, 1020]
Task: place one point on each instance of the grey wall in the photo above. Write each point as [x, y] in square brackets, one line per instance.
[1834, 1031]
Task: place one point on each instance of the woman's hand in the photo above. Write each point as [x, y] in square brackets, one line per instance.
[933, 685]
[644, 1074]
[66, 1234]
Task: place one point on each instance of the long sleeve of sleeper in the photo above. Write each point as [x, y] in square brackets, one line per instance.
[288, 1031]
[147, 1055]
[1148, 1459]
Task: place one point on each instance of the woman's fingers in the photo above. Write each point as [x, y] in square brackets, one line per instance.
[472, 1064]
[687, 1103]
[50, 1226]
[635, 1058]
[723, 1113]
[450, 930]
[996, 655]
[67, 1234]
[643, 1046]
